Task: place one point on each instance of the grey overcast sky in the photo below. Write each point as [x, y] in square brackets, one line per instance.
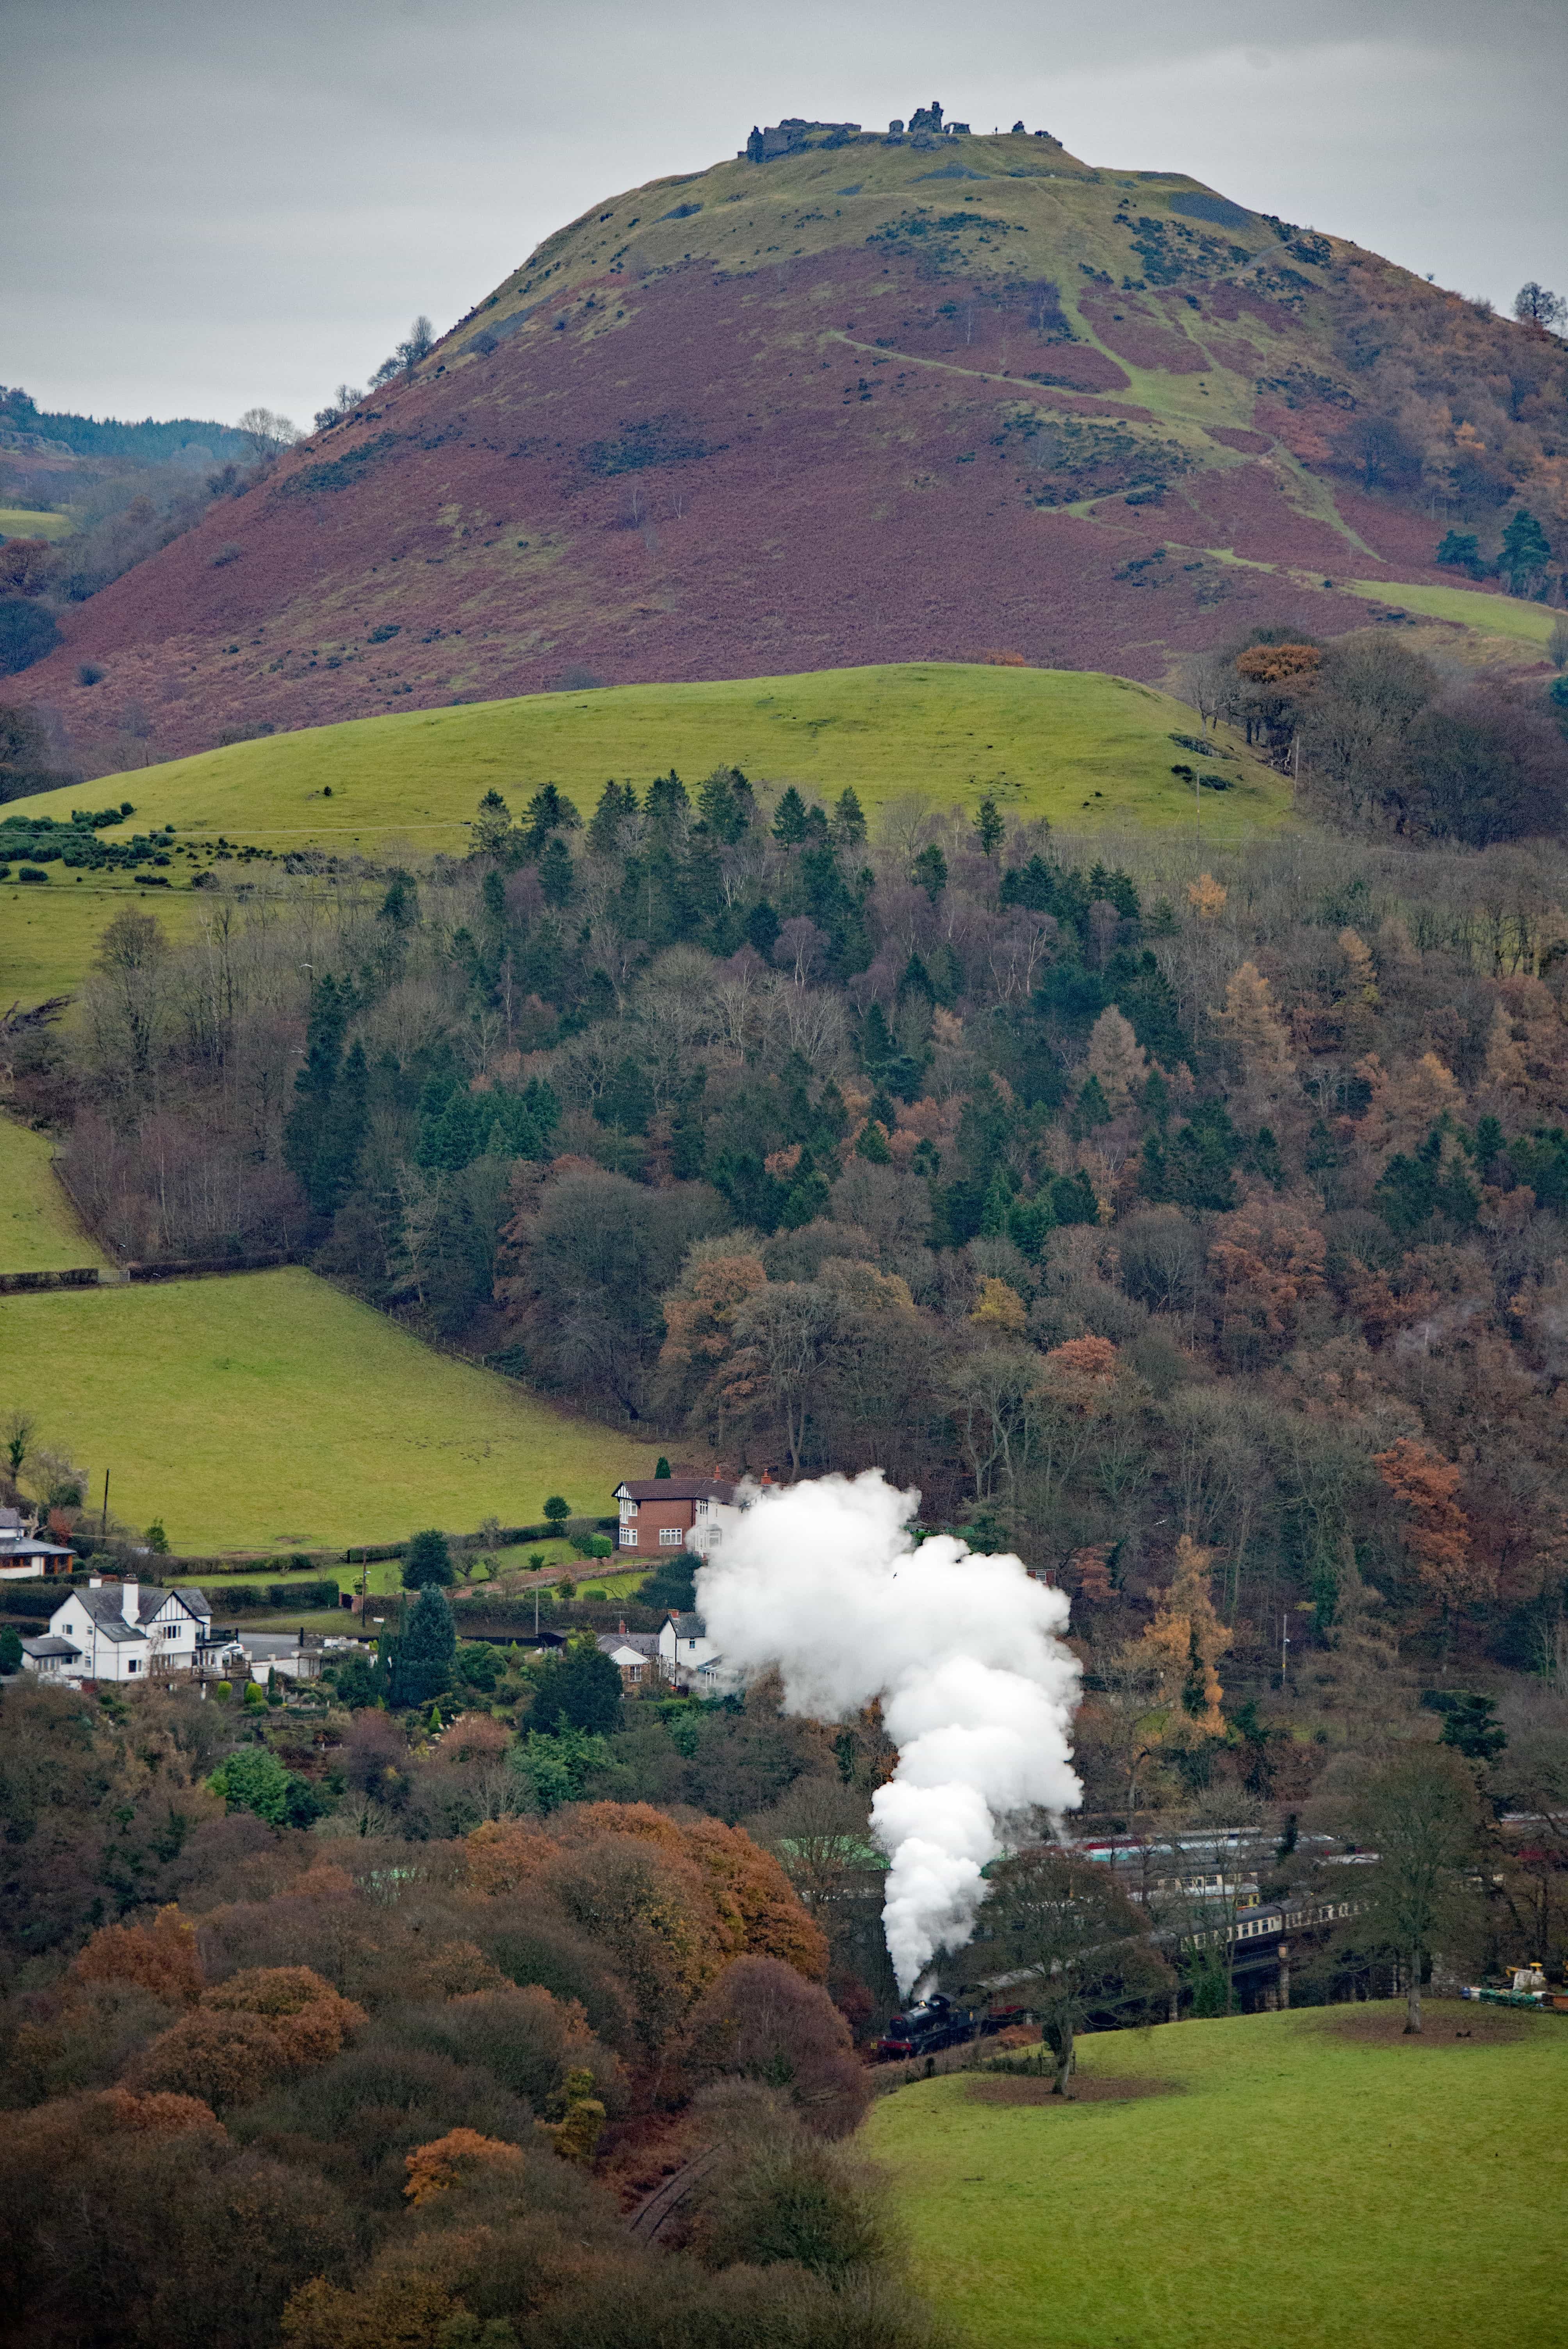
[208, 206]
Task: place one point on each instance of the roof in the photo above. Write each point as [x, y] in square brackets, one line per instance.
[107, 1611]
[30, 1545]
[676, 1488]
[616, 1644]
[689, 1627]
[106, 1607]
[645, 1643]
[51, 1646]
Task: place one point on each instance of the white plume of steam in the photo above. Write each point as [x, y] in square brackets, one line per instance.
[823, 1581]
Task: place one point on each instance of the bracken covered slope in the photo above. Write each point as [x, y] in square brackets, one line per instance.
[868, 402]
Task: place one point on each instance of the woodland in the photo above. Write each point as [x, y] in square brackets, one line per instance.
[1189, 1221]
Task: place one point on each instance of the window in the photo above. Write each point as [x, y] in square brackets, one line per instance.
[628, 1536]
[134, 1665]
[628, 1509]
[670, 1536]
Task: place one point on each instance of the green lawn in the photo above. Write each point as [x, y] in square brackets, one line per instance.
[39, 1231]
[1495, 615]
[1055, 742]
[17, 521]
[1305, 2187]
[49, 934]
[268, 1411]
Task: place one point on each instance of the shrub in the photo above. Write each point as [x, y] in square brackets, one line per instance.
[794, 2200]
[253, 1779]
[90, 673]
[30, 873]
[761, 2021]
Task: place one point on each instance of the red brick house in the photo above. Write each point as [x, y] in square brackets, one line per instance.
[664, 1514]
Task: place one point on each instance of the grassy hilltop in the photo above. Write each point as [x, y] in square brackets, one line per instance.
[1056, 743]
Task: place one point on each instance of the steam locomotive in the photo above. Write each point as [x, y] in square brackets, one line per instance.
[932, 2023]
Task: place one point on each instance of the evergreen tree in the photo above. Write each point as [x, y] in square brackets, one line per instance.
[492, 830]
[426, 1561]
[726, 806]
[1526, 552]
[399, 908]
[849, 827]
[789, 819]
[341, 1137]
[577, 1688]
[1461, 549]
[548, 813]
[556, 878]
[990, 826]
[930, 871]
[617, 806]
[321, 1148]
[762, 928]
[667, 804]
[420, 1668]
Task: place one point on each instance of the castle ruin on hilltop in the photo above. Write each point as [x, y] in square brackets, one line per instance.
[795, 135]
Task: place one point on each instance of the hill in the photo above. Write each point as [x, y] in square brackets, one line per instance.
[874, 401]
[268, 1411]
[1377, 2170]
[1057, 743]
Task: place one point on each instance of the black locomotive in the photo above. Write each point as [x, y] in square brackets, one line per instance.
[932, 2023]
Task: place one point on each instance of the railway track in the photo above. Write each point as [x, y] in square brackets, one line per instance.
[655, 2211]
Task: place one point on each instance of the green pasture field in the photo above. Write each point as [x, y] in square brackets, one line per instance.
[267, 1410]
[1068, 744]
[49, 932]
[39, 1229]
[1304, 2183]
[17, 521]
[1493, 615]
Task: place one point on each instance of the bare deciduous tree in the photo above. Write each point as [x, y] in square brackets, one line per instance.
[268, 433]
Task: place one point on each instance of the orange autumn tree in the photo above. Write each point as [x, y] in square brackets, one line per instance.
[1437, 1531]
[161, 1957]
[1185, 1644]
[435, 2168]
[1267, 1256]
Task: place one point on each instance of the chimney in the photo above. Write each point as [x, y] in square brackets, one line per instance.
[95, 1582]
[130, 1601]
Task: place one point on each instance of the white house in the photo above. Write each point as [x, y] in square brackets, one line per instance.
[684, 1648]
[121, 1631]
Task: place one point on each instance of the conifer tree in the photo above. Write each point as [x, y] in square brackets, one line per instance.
[789, 819]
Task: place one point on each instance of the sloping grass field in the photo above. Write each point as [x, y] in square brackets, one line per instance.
[49, 935]
[1299, 2182]
[38, 1227]
[266, 1411]
[1470, 607]
[1068, 744]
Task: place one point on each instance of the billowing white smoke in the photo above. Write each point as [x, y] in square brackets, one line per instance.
[822, 1581]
